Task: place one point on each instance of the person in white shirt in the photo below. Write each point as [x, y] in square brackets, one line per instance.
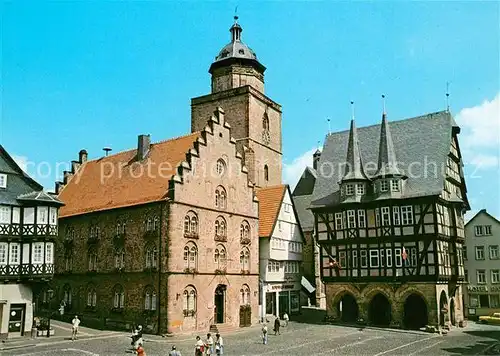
[264, 334]
[219, 344]
[76, 323]
[286, 318]
[210, 344]
[198, 347]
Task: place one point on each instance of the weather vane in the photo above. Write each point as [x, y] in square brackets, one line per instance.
[448, 96]
[236, 13]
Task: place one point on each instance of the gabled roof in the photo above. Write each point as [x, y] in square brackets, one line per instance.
[480, 212]
[270, 200]
[20, 186]
[119, 180]
[420, 142]
[302, 195]
[305, 185]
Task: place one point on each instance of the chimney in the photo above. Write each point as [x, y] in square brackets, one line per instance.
[143, 145]
[316, 157]
[82, 156]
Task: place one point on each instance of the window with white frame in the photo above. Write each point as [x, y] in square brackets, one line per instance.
[220, 257]
[407, 215]
[395, 185]
[190, 256]
[364, 258]
[189, 299]
[388, 257]
[15, 253]
[478, 230]
[361, 219]
[287, 207]
[119, 258]
[53, 216]
[354, 259]
[386, 216]
[479, 252]
[494, 252]
[245, 259]
[384, 186]
[220, 227]
[338, 221]
[91, 297]
[360, 189]
[349, 189]
[49, 252]
[481, 276]
[151, 256]
[29, 215]
[374, 258]
[495, 276]
[67, 295]
[245, 295]
[377, 217]
[3, 253]
[119, 297]
[382, 257]
[92, 255]
[220, 198]
[487, 230]
[150, 299]
[351, 219]
[4, 214]
[395, 215]
[413, 256]
[37, 256]
[3, 180]
[342, 259]
[42, 215]
[398, 257]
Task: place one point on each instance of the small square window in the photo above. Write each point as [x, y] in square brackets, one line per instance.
[395, 185]
[478, 230]
[360, 188]
[3, 180]
[487, 229]
[349, 190]
[384, 186]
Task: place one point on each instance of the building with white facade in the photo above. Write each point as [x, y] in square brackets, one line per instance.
[482, 265]
[280, 252]
[28, 228]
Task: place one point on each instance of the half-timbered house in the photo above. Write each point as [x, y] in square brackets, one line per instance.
[388, 204]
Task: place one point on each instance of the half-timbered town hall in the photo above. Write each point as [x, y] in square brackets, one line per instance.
[166, 234]
[388, 204]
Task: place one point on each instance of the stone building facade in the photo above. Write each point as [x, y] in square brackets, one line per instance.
[166, 235]
[391, 229]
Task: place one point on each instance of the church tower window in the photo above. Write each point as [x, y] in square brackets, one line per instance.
[266, 173]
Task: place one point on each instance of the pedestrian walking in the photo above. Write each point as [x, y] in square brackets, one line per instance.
[219, 344]
[286, 318]
[277, 326]
[264, 334]
[174, 352]
[76, 323]
[198, 347]
[210, 344]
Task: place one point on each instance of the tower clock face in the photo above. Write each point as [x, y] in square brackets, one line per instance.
[266, 137]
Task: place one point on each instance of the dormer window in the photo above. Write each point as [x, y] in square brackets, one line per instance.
[3, 180]
[360, 189]
[395, 185]
[384, 186]
[349, 189]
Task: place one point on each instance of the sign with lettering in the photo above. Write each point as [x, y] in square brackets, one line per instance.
[495, 288]
[477, 288]
[284, 286]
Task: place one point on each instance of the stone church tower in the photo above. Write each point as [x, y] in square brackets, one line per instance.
[238, 87]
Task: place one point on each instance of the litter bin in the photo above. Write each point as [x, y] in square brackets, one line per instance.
[34, 333]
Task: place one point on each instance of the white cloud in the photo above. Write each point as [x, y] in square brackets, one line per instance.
[22, 162]
[293, 171]
[480, 138]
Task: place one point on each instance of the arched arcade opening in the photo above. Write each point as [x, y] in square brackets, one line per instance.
[415, 312]
[347, 308]
[379, 312]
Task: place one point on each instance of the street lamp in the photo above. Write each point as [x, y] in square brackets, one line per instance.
[50, 293]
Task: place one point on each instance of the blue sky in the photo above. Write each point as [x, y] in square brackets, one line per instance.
[93, 74]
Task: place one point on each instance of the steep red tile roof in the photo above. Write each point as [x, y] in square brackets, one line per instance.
[270, 200]
[119, 180]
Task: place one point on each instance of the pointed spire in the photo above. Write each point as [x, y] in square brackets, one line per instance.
[354, 167]
[387, 164]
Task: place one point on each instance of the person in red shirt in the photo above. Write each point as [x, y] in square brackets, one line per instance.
[140, 351]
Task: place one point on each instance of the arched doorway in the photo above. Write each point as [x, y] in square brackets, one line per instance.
[452, 311]
[443, 308]
[415, 312]
[347, 308]
[379, 311]
[219, 303]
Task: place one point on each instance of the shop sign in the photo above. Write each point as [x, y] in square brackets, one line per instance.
[278, 287]
[495, 289]
[477, 288]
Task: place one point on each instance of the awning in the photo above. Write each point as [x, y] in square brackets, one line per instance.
[308, 286]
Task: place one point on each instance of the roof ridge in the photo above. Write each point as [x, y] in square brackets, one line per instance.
[395, 121]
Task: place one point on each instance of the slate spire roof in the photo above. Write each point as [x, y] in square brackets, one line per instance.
[387, 163]
[354, 166]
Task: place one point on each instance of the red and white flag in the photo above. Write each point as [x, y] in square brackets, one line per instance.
[404, 254]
